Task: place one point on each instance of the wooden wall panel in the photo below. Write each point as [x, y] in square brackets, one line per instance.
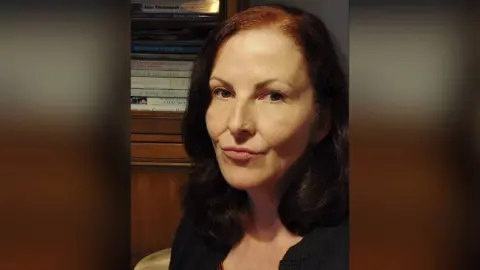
[160, 151]
[155, 208]
[156, 122]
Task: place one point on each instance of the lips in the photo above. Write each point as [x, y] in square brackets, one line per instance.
[240, 153]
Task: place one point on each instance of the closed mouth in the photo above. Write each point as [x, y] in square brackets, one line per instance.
[240, 153]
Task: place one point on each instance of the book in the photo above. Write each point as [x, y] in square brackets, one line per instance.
[157, 104]
[176, 17]
[176, 6]
[156, 48]
[176, 42]
[163, 56]
[184, 34]
[172, 65]
[167, 36]
[160, 83]
[180, 10]
[160, 73]
[158, 108]
[157, 100]
[163, 93]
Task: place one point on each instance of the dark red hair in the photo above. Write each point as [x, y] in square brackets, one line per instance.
[318, 195]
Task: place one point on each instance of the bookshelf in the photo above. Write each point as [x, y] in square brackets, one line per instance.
[158, 160]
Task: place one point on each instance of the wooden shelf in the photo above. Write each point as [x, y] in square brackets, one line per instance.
[158, 151]
[156, 138]
[162, 123]
[157, 115]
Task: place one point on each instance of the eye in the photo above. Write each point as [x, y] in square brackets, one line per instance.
[274, 96]
[222, 93]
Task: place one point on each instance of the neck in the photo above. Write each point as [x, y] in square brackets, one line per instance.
[264, 223]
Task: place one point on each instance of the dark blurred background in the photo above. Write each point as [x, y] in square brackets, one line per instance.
[64, 140]
[414, 135]
[64, 151]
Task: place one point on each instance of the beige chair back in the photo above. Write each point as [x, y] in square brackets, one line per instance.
[155, 261]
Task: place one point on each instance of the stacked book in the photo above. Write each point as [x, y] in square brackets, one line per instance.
[162, 59]
[197, 10]
[160, 85]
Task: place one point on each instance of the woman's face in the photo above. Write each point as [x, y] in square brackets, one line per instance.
[262, 109]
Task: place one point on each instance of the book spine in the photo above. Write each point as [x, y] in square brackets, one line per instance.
[158, 104]
[208, 17]
[150, 56]
[176, 12]
[175, 17]
[166, 101]
[165, 93]
[162, 65]
[186, 6]
[160, 83]
[158, 108]
[176, 43]
[164, 10]
[150, 48]
[157, 100]
[160, 73]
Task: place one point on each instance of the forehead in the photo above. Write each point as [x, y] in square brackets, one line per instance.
[263, 52]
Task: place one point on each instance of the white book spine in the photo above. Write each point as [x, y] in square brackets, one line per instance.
[160, 83]
[160, 73]
[166, 101]
[160, 108]
[162, 65]
[159, 93]
[157, 9]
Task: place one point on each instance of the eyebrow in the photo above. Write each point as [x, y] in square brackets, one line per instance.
[257, 85]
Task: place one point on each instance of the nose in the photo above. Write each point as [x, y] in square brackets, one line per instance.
[241, 122]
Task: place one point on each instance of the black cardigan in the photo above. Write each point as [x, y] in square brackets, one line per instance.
[325, 248]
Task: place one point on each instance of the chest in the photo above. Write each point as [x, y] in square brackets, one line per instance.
[255, 258]
[250, 255]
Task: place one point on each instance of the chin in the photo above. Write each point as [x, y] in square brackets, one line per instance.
[243, 180]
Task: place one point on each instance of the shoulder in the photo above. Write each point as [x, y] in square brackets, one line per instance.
[189, 251]
[185, 241]
[332, 247]
[325, 248]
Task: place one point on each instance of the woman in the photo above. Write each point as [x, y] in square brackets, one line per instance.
[266, 128]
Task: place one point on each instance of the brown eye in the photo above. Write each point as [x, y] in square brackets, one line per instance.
[222, 93]
[273, 97]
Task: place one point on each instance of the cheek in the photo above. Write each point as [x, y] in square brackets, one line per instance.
[288, 144]
[287, 133]
[288, 141]
[216, 121]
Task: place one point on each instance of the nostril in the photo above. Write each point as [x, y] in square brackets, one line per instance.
[241, 136]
